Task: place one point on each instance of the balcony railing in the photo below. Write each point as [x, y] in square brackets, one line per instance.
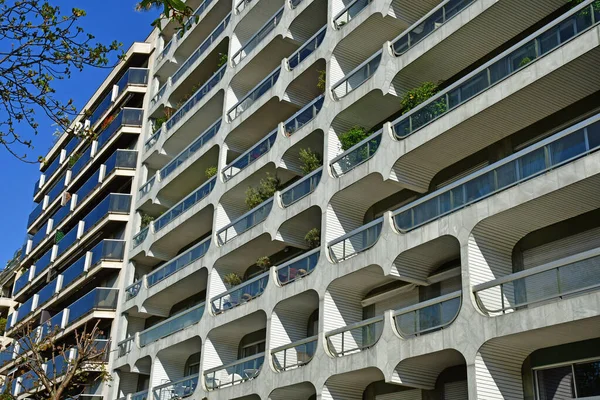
[254, 94]
[552, 152]
[172, 325]
[432, 21]
[187, 203]
[349, 12]
[146, 187]
[178, 263]
[42, 263]
[127, 117]
[190, 150]
[114, 203]
[125, 346]
[245, 222]
[54, 325]
[161, 92]
[307, 48]
[304, 116]
[249, 156]
[240, 294]
[428, 316]
[88, 187]
[34, 215]
[179, 389]
[196, 97]
[301, 188]
[52, 167]
[214, 35]
[132, 77]
[357, 76]
[165, 50]
[96, 300]
[356, 155]
[298, 267]
[78, 165]
[257, 37]
[143, 395]
[39, 236]
[152, 139]
[294, 355]
[132, 290]
[139, 237]
[356, 241]
[241, 5]
[57, 189]
[355, 337]
[102, 108]
[559, 279]
[563, 29]
[106, 250]
[234, 373]
[21, 282]
[58, 217]
[121, 159]
[48, 291]
[24, 310]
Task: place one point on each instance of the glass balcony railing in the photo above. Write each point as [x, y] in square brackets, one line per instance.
[7, 354]
[304, 116]
[125, 346]
[563, 29]
[76, 270]
[132, 77]
[190, 150]
[172, 325]
[42, 263]
[147, 187]
[552, 152]
[121, 159]
[143, 395]
[428, 316]
[24, 310]
[196, 97]
[254, 94]
[241, 5]
[355, 337]
[21, 282]
[60, 216]
[349, 12]
[46, 293]
[139, 237]
[251, 155]
[356, 241]
[252, 218]
[102, 108]
[29, 381]
[165, 50]
[56, 367]
[357, 76]
[257, 37]
[107, 250]
[559, 279]
[88, 187]
[36, 186]
[98, 299]
[152, 139]
[114, 203]
[57, 189]
[66, 241]
[35, 214]
[132, 290]
[179, 389]
[127, 117]
[301, 188]
[234, 373]
[53, 325]
[214, 35]
[187, 203]
[307, 48]
[294, 355]
[356, 155]
[240, 294]
[159, 95]
[52, 167]
[181, 261]
[298, 267]
[39, 236]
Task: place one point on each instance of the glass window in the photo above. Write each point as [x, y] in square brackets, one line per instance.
[587, 378]
[555, 383]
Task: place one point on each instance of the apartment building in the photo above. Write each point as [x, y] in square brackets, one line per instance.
[342, 200]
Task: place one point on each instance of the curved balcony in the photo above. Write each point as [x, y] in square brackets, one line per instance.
[249, 156]
[562, 278]
[355, 337]
[124, 347]
[251, 44]
[152, 139]
[247, 221]
[304, 116]
[356, 155]
[191, 200]
[294, 355]
[519, 56]
[241, 5]
[428, 316]
[357, 76]
[140, 237]
[171, 325]
[132, 290]
[424, 27]
[301, 188]
[161, 92]
[178, 263]
[240, 294]
[235, 373]
[298, 267]
[356, 241]
[254, 94]
[146, 187]
[179, 389]
[552, 152]
[160, 56]
[309, 47]
[349, 12]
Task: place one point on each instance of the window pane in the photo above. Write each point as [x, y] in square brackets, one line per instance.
[587, 377]
[555, 383]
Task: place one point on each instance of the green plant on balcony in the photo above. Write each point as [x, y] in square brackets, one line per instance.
[232, 280]
[354, 135]
[210, 172]
[73, 159]
[266, 189]
[222, 60]
[310, 160]
[264, 263]
[418, 95]
[586, 10]
[2, 324]
[524, 61]
[322, 81]
[313, 238]
[146, 220]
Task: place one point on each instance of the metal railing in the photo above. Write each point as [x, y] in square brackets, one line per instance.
[125, 346]
[234, 373]
[132, 77]
[307, 48]
[139, 237]
[179, 262]
[356, 241]
[257, 37]
[161, 91]
[301, 188]
[179, 389]
[120, 159]
[152, 139]
[240, 294]
[143, 395]
[127, 117]
[432, 21]
[428, 316]
[356, 155]
[171, 325]
[165, 50]
[249, 156]
[254, 94]
[558, 279]
[349, 12]
[298, 267]
[146, 187]
[240, 5]
[245, 222]
[132, 290]
[552, 152]
[354, 337]
[565, 28]
[304, 116]
[294, 355]
[357, 76]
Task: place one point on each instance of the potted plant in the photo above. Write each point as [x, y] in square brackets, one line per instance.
[264, 263]
[210, 172]
[310, 160]
[313, 238]
[231, 280]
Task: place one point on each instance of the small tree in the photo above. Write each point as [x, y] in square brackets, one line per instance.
[232, 280]
[146, 220]
[264, 263]
[322, 81]
[210, 172]
[310, 160]
[222, 60]
[354, 135]
[266, 189]
[418, 95]
[313, 238]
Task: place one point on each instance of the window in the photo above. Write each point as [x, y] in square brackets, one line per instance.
[192, 365]
[571, 381]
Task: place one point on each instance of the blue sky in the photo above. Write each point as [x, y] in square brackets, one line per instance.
[108, 20]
